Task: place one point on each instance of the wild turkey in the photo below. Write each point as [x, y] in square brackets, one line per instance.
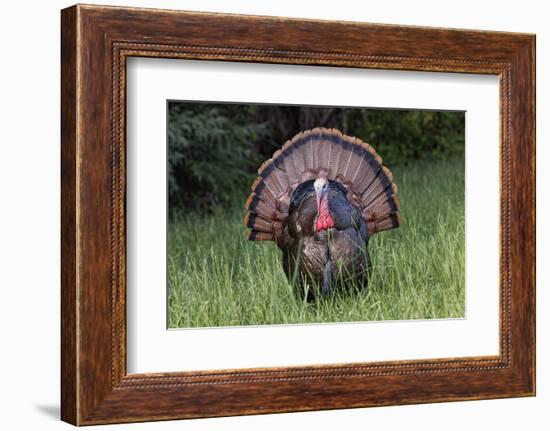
[320, 198]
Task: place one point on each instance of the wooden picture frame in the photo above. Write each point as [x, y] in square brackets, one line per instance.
[95, 43]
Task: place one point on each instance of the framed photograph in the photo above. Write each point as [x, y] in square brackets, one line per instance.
[263, 214]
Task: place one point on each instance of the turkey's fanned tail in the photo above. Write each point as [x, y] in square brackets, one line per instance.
[322, 152]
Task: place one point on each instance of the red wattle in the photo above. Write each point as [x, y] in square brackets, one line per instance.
[324, 219]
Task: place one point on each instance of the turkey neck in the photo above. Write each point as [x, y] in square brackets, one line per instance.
[324, 219]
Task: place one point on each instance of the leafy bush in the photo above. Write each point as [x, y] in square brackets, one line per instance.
[210, 156]
[402, 137]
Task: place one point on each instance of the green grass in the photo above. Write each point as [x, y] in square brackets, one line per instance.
[217, 277]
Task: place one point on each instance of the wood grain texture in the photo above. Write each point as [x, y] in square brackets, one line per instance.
[69, 371]
[96, 41]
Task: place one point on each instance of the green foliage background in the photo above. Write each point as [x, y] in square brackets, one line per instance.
[214, 149]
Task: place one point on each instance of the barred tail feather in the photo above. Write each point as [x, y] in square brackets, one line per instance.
[321, 152]
[390, 222]
[254, 235]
